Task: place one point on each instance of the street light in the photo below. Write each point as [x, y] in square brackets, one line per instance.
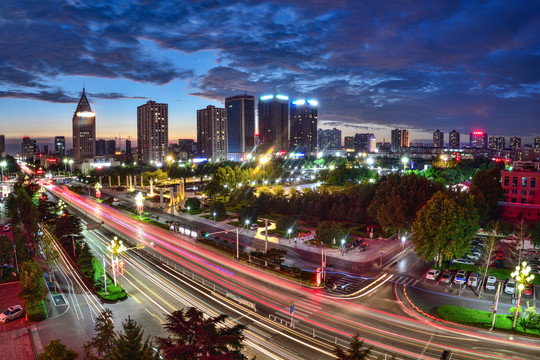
[65, 164]
[188, 208]
[289, 234]
[214, 216]
[70, 166]
[115, 248]
[404, 160]
[522, 277]
[3, 164]
[139, 201]
[403, 239]
[97, 186]
[247, 223]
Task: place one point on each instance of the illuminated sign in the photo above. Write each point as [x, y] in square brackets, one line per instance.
[267, 97]
[313, 102]
[86, 114]
[478, 133]
[51, 160]
[299, 102]
[39, 172]
[282, 97]
[199, 160]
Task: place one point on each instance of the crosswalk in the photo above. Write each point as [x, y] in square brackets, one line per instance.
[406, 280]
[347, 284]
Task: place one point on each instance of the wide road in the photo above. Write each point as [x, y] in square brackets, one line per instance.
[373, 313]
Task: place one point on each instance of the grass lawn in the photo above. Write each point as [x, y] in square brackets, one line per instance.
[480, 319]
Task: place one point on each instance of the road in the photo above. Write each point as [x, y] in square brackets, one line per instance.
[375, 313]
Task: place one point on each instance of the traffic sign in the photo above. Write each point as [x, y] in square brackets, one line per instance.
[292, 307]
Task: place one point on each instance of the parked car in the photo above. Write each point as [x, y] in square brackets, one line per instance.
[473, 257]
[464, 260]
[447, 277]
[433, 274]
[11, 313]
[6, 228]
[474, 279]
[491, 283]
[478, 243]
[510, 286]
[254, 226]
[528, 291]
[476, 251]
[461, 277]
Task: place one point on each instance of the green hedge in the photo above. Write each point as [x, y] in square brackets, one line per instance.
[114, 293]
[36, 311]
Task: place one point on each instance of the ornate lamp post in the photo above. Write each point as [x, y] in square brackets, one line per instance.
[115, 248]
[3, 164]
[70, 166]
[97, 186]
[139, 201]
[404, 160]
[522, 277]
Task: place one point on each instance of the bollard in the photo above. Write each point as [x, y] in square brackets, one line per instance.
[336, 340]
[313, 332]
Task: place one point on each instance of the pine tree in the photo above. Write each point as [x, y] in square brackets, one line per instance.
[130, 345]
[356, 350]
[55, 350]
[102, 345]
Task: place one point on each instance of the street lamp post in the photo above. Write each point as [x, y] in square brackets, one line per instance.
[71, 166]
[97, 186]
[403, 240]
[188, 208]
[214, 216]
[115, 248]
[405, 160]
[3, 164]
[247, 223]
[522, 277]
[342, 247]
[139, 201]
[65, 164]
[289, 235]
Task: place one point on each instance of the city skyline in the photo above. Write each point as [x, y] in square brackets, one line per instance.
[419, 67]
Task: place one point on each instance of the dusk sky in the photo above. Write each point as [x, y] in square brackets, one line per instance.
[372, 65]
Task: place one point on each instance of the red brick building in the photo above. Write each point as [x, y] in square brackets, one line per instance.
[521, 194]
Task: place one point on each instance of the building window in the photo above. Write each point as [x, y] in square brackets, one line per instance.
[513, 200]
[531, 192]
[533, 183]
[506, 181]
[514, 192]
[523, 201]
[523, 192]
[523, 182]
[514, 181]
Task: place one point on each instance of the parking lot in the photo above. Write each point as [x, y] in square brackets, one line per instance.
[15, 337]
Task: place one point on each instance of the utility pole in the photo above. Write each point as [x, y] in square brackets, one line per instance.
[265, 240]
[237, 245]
[494, 307]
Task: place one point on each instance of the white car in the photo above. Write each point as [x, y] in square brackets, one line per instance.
[11, 313]
[491, 283]
[510, 286]
[460, 277]
[254, 226]
[474, 280]
[433, 274]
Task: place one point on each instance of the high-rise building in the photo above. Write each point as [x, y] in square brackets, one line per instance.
[365, 142]
[453, 140]
[128, 147]
[240, 123]
[212, 133]
[101, 147]
[537, 142]
[395, 140]
[349, 142]
[496, 143]
[329, 139]
[45, 149]
[60, 146]
[2, 145]
[304, 114]
[404, 138]
[438, 139]
[111, 147]
[273, 122]
[84, 130]
[478, 139]
[515, 143]
[28, 148]
[152, 132]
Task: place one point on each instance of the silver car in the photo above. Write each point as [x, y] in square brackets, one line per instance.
[11, 313]
[491, 283]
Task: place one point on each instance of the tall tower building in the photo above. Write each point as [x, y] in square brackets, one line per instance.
[405, 138]
[329, 139]
[128, 147]
[212, 133]
[537, 142]
[304, 114]
[453, 140]
[240, 123]
[496, 143]
[395, 140]
[2, 145]
[438, 139]
[28, 148]
[515, 143]
[111, 147]
[84, 130]
[60, 146]
[349, 142]
[478, 139]
[274, 123]
[152, 132]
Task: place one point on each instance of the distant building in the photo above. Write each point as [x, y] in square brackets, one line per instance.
[188, 146]
[273, 123]
[496, 143]
[521, 200]
[365, 142]
[515, 143]
[152, 133]
[404, 138]
[399, 139]
[2, 145]
[101, 147]
[128, 147]
[84, 130]
[240, 123]
[212, 133]
[28, 148]
[111, 147]
[329, 139]
[478, 139]
[453, 140]
[349, 142]
[46, 149]
[304, 115]
[438, 139]
[60, 146]
[537, 142]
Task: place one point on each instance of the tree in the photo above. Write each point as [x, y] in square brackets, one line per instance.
[130, 346]
[102, 345]
[488, 255]
[191, 336]
[6, 252]
[356, 351]
[444, 228]
[328, 231]
[49, 253]
[55, 350]
[84, 260]
[33, 288]
[535, 233]
[487, 183]
[192, 203]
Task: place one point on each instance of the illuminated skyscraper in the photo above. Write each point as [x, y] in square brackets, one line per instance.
[60, 146]
[28, 148]
[304, 126]
[537, 142]
[329, 139]
[438, 139]
[496, 143]
[212, 133]
[515, 143]
[274, 123]
[453, 140]
[396, 140]
[152, 132]
[349, 142]
[84, 130]
[240, 123]
[478, 139]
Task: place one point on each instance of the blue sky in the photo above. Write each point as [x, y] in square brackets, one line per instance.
[372, 65]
